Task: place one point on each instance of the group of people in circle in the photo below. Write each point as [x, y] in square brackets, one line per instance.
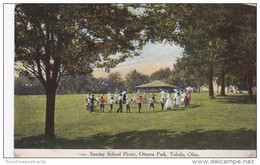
[122, 98]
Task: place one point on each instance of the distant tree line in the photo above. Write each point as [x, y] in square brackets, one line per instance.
[115, 82]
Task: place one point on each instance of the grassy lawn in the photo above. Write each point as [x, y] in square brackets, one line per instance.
[222, 123]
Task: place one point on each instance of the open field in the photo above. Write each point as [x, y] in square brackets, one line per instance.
[222, 123]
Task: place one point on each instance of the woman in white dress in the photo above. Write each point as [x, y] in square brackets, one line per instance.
[134, 97]
[144, 95]
[108, 96]
[177, 99]
[162, 95]
[168, 103]
[116, 97]
[87, 101]
[182, 97]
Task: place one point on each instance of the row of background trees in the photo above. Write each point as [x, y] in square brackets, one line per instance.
[116, 82]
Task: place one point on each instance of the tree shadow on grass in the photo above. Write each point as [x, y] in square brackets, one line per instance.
[150, 139]
[182, 108]
[236, 99]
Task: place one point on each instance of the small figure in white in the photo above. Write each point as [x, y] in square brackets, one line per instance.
[97, 98]
[128, 101]
[116, 98]
[162, 95]
[152, 101]
[111, 102]
[108, 96]
[177, 99]
[144, 96]
[168, 103]
[183, 97]
[134, 96]
[87, 101]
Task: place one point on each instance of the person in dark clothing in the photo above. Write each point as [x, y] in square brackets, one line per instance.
[124, 97]
[152, 101]
[186, 99]
[120, 109]
[162, 103]
[92, 99]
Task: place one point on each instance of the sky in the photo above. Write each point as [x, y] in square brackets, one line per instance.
[152, 58]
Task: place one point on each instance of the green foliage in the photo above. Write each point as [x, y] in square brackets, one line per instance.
[25, 86]
[219, 36]
[115, 82]
[51, 40]
[76, 84]
[162, 74]
[187, 73]
[135, 78]
[222, 123]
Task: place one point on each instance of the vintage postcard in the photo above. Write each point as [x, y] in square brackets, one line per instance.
[134, 80]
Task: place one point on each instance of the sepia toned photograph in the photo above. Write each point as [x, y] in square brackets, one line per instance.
[135, 80]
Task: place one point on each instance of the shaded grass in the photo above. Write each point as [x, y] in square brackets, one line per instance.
[150, 139]
[236, 99]
[220, 123]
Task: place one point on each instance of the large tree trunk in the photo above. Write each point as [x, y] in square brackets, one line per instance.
[50, 107]
[250, 84]
[223, 83]
[211, 91]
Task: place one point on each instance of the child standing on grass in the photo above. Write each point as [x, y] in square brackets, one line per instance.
[120, 100]
[134, 97]
[168, 103]
[189, 97]
[97, 100]
[108, 96]
[139, 100]
[177, 99]
[183, 97]
[162, 95]
[111, 102]
[124, 96]
[186, 98]
[128, 105]
[152, 103]
[162, 103]
[87, 101]
[116, 98]
[102, 104]
[144, 96]
[91, 103]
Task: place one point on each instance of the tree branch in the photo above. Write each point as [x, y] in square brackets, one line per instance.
[47, 52]
[31, 70]
[39, 67]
